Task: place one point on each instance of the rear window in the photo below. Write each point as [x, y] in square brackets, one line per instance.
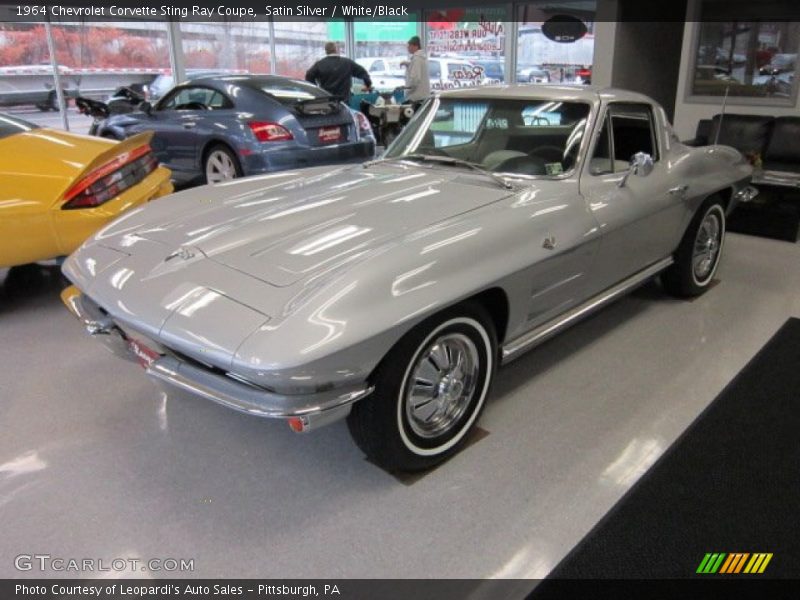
[10, 126]
[292, 91]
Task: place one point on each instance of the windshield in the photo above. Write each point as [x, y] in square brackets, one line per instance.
[513, 137]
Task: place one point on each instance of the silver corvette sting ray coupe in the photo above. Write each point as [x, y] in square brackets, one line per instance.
[389, 292]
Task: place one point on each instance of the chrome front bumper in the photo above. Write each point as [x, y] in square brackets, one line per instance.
[304, 411]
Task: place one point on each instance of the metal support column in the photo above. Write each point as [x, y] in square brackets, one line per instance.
[512, 38]
[51, 48]
[273, 59]
[175, 43]
[350, 39]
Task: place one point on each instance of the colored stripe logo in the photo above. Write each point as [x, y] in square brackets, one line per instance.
[734, 563]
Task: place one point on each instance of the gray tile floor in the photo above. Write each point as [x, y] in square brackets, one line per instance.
[95, 462]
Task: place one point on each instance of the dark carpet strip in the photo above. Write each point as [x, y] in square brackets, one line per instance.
[729, 484]
[772, 215]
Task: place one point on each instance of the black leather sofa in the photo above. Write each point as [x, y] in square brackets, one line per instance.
[776, 140]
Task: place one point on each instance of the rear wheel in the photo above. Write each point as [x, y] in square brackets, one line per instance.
[699, 253]
[429, 391]
[221, 164]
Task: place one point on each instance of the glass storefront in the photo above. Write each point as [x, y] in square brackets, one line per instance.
[466, 47]
[226, 47]
[298, 45]
[555, 42]
[27, 83]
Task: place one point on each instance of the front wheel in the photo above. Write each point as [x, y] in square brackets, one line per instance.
[699, 253]
[429, 391]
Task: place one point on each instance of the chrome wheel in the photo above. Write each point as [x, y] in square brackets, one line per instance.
[220, 167]
[707, 245]
[441, 385]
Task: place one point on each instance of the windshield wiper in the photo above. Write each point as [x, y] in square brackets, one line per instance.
[445, 160]
[377, 161]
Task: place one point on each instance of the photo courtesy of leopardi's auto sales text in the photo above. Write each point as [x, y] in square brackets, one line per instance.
[399, 299]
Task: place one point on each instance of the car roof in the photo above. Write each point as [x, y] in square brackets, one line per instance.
[250, 80]
[585, 93]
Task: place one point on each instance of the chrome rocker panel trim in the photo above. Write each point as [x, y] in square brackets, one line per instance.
[517, 347]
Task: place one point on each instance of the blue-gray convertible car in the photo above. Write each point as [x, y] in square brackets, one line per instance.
[214, 129]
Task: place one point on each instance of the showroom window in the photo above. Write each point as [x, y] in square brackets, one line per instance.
[746, 60]
[101, 57]
[118, 45]
[299, 44]
[466, 46]
[225, 47]
[381, 48]
[384, 39]
[555, 42]
[27, 84]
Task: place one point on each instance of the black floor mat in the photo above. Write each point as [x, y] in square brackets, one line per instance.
[774, 214]
[729, 484]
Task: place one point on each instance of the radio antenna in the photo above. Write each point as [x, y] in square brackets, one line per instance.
[722, 114]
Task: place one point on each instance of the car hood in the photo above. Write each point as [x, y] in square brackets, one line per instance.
[310, 223]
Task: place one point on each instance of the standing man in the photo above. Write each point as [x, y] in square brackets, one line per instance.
[335, 73]
[418, 79]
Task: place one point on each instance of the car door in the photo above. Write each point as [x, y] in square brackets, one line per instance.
[638, 214]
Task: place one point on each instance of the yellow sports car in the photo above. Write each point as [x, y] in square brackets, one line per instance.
[57, 188]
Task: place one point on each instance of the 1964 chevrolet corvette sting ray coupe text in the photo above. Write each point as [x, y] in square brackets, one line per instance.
[389, 292]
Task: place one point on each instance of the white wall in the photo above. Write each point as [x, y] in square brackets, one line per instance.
[687, 114]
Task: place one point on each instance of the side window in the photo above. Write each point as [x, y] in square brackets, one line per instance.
[627, 129]
[217, 101]
[377, 66]
[434, 71]
[195, 98]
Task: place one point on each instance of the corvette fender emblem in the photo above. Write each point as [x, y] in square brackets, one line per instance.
[182, 253]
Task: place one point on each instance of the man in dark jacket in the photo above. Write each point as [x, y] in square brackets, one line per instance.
[334, 73]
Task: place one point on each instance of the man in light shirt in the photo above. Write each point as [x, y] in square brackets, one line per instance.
[418, 80]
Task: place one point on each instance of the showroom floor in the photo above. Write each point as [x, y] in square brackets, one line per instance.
[96, 462]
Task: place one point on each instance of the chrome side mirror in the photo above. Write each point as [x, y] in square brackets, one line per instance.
[641, 165]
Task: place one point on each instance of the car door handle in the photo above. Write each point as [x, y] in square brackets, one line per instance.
[680, 189]
[189, 125]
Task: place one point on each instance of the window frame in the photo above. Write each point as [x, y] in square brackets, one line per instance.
[608, 118]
